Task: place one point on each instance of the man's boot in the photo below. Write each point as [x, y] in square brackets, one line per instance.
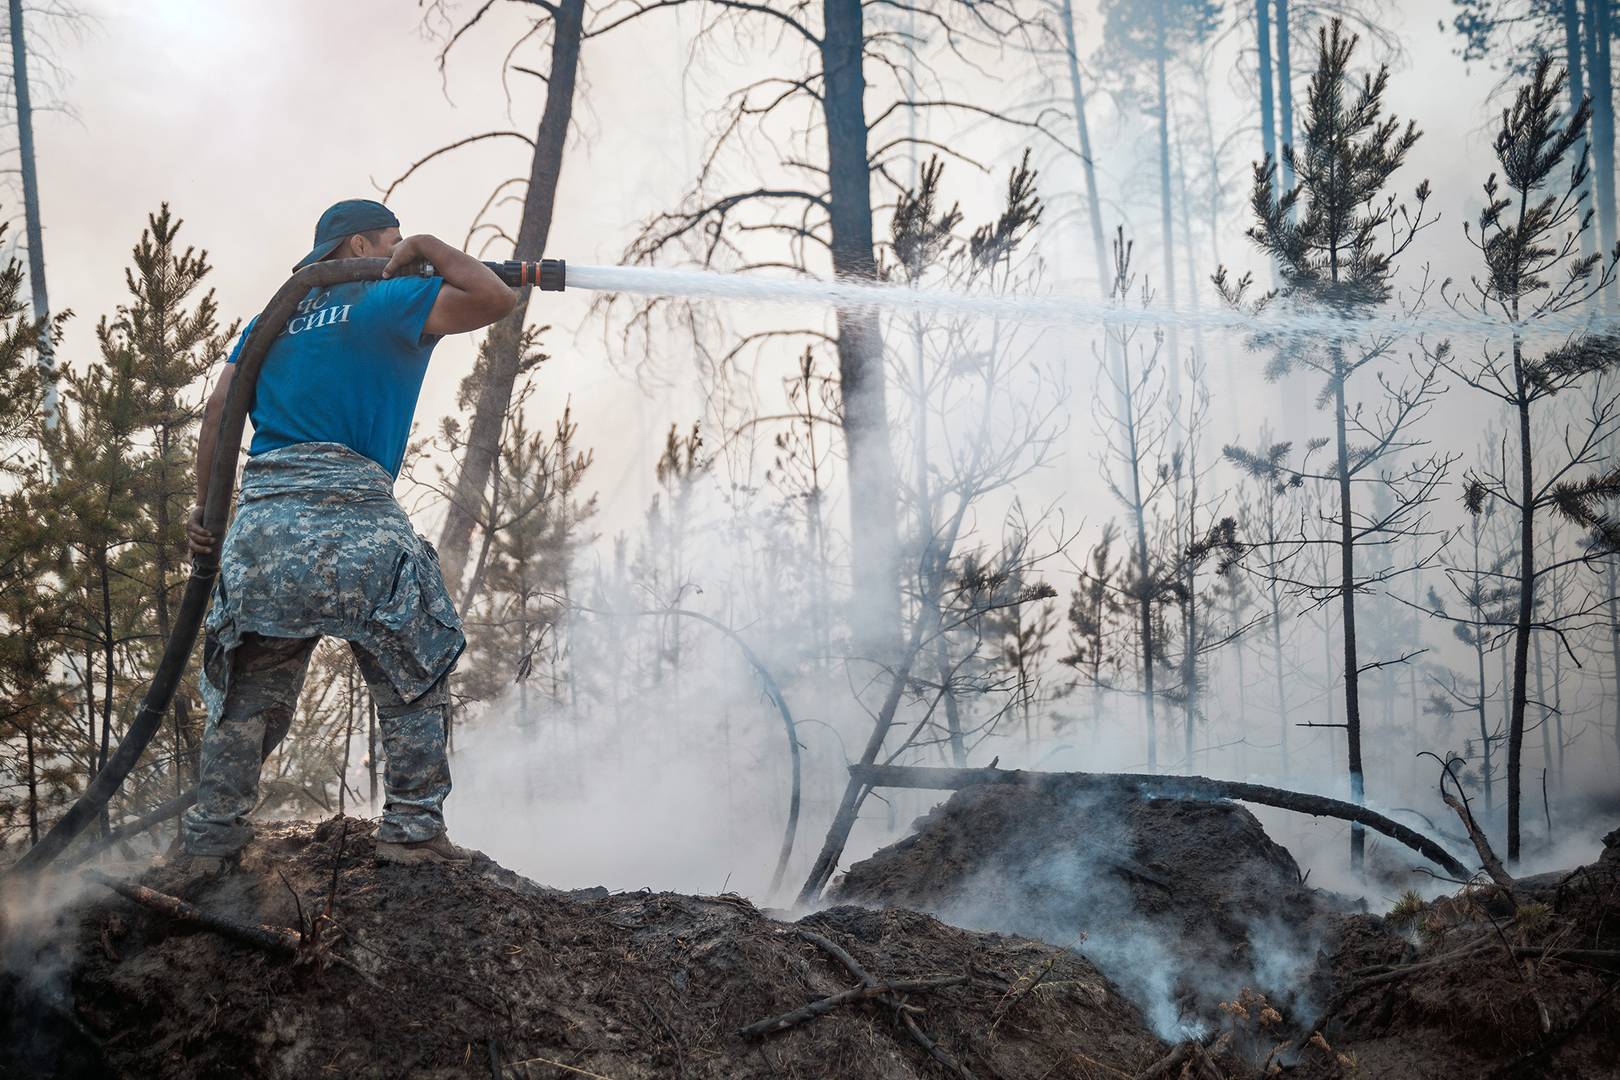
[437, 850]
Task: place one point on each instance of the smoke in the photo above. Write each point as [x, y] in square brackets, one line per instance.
[39, 1029]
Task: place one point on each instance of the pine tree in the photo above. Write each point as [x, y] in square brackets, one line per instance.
[1528, 236]
[175, 340]
[1327, 234]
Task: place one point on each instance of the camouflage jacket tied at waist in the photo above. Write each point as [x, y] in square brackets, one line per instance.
[320, 547]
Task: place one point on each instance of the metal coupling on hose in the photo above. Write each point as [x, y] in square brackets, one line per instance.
[548, 275]
[553, 275]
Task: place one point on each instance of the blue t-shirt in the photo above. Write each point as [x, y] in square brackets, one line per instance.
[347, 368]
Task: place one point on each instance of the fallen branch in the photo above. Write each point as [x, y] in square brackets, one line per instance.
[1164, 786]
[932, 1048]
[274, 939]
[848, 997]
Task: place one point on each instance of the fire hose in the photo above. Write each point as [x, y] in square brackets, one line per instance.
[549, 275]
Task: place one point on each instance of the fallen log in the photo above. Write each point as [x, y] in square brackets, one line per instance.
[272, 938]
[1164, 786]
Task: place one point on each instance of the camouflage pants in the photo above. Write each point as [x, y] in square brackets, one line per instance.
[266, 677]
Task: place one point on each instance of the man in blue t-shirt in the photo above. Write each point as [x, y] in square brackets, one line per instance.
[319, 547]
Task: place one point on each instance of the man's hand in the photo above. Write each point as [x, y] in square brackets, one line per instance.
[408, 253]
[201, 540]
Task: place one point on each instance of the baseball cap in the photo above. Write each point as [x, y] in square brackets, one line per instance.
[342, 220]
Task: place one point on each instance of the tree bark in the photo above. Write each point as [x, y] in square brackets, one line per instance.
[506, 336]
[875, 599]
[1527, 600]
[1155, 785]
[30, 182]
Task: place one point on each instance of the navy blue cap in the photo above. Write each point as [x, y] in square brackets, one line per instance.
[342, 220]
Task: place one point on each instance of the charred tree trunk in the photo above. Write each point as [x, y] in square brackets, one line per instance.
[856, 790]
[108, 645]
[1347, 597]
[1527, 595]
[1484, 728]
[875, 599]
[506, 336]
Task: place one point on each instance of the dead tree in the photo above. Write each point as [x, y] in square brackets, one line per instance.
[834, 130]
[562, 28]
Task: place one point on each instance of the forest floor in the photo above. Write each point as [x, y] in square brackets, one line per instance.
[1202, 954]
[1212, 930]
[473, 971]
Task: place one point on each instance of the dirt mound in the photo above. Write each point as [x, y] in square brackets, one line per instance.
[473, 971]
[1467, 985]
[1183, 902]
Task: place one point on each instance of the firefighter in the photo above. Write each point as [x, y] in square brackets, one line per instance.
[319, 546]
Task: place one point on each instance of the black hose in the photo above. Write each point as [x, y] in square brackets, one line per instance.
[204, 568]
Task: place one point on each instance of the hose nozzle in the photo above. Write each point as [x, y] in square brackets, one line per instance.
[548, 275]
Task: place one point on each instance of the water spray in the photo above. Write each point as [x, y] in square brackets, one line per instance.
[1279, 324]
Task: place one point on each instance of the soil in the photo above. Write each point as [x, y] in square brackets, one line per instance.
[1184, 902]
[1476, 1010]
[470, 970]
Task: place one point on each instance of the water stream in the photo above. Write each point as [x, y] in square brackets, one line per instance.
[1280, 323]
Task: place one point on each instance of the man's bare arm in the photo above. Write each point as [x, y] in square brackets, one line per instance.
[472, 296]
[202, 541]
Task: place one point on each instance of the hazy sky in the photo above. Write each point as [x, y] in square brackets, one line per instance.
[250, 118]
